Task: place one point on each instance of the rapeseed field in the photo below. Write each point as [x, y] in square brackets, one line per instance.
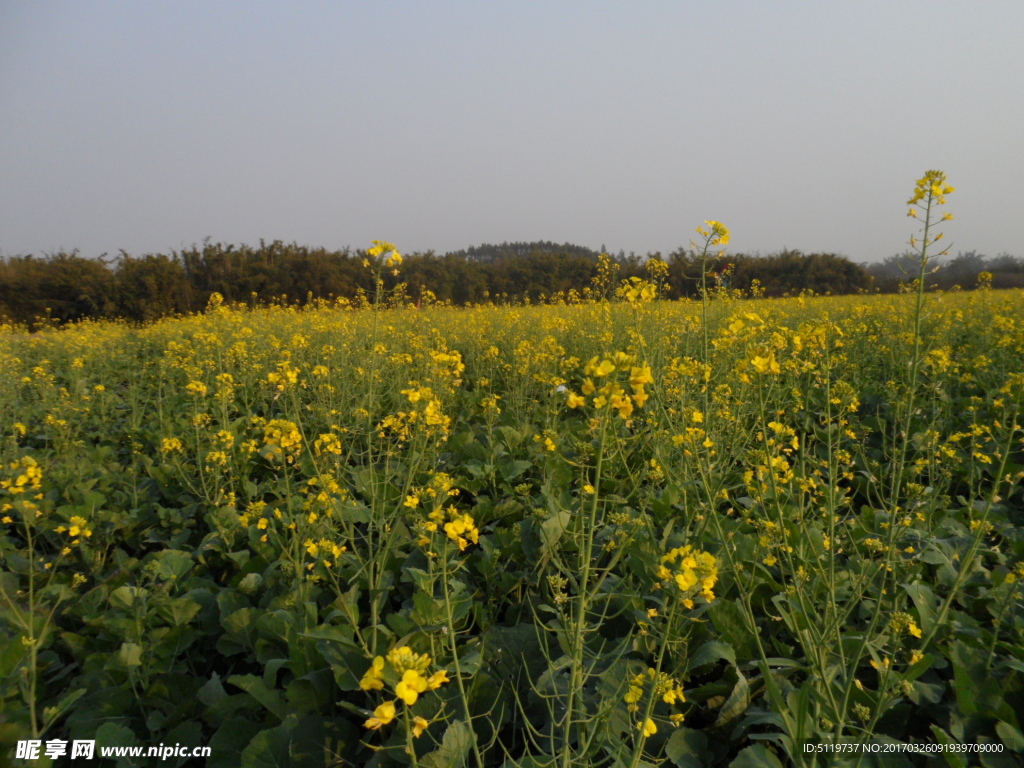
[608, 531]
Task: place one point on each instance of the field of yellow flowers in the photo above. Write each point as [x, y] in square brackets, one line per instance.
[609, 533]
[623, 533]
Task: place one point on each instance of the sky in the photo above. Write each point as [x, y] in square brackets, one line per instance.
[149, 126]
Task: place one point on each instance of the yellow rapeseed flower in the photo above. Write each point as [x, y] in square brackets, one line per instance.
[575, 401]
[382, 715]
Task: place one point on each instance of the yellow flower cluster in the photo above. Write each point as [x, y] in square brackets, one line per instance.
[405, 671]
[930, 186]
[716, 233]
[26, 476]
[427, 410]
[286, 375]
[323, 548]
[612, 393]
[327, 442]
[636, 290]
[1015, 575]
[661, 686]
[78, 529]
[691, 571]
[281, 437]
[393, 259]
[765, 364]
[460, 527]
[904, 622]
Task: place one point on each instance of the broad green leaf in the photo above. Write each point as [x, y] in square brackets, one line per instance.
[737, 702]
[128, 655]
[112, 734]
[268, 749]
[552, 529]
[455, 747]
[711, 652]
[52, 713]
[179, 610]
[212, 691]
[172, 564]
[687, 748]
[727, 617]
[269, 698]
[925, 602]
[510, 470]
[1011, 737]
[230, 740]
[953, 759]
[125, 597]
[757, 756]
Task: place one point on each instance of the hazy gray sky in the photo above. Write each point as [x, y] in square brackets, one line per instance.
[150, 125]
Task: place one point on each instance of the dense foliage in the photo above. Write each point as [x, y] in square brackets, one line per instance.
[66, 286]
[509, 536]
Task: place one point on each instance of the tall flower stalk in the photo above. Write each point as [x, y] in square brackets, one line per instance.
[929, 193]
[715, 234]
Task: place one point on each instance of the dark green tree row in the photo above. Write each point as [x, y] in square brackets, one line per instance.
[785, 273]
[487, 252]
[66, 286]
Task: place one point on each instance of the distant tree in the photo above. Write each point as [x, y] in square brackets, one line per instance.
[488, 253]
[61, 286]
[149, 287]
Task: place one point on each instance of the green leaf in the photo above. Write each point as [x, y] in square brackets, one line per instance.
[737, 702]
[11, 655]
[172, 564]
[925, 602]
[1011, 737]
[255, 687]
[268, 749]
[129, 655]
[727, 617]
[309, 693]
[227, 744]
[513, 438]
[757, 756]
[687, 748]
[455, 746]
[52, 713]
[711, 652]
[212, 691]
[179, 610]
[551, 531]
[125, 597]
[241, 625]
[953, 759]
[427, 610]
[510, 470]
[116, 735]
[347, 661]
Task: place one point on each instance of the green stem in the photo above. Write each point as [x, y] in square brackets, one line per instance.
[410, 746]
[670, 633]
[579, 623]
[453, 648]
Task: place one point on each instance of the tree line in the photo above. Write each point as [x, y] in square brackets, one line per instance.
[963, 270]
[63, 287]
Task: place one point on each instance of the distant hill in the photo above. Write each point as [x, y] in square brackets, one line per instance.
[487, 253]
